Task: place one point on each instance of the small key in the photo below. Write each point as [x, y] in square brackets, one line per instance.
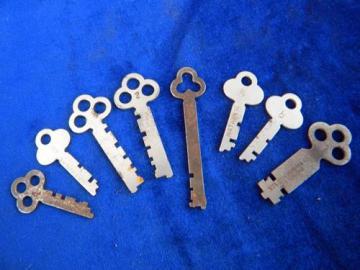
[284, 111]
[327, 142]
[89, 114]
[243, 90]
[198, 198]
[138, 99]
[29, 191]
[52, 146]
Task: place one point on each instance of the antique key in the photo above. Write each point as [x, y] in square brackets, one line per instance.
[29, 191]
[138, 99]
[52, 146]
[284, 111]
[89, 114]
[243, 90]
[198, 198]
[327, 142]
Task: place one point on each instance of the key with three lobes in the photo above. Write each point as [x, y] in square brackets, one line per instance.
[197, 189]
[145, 91]
[285, 111]
[89, 114]
[29, 191]
[328, 142]
[243, 90]
[52, 146]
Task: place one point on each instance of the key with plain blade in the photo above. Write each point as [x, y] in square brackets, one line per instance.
[243, 90]
[89, 114]
[138, 99]
[330, 143]
[284, 111]
[52, 146]
[198, 198]
[29, 191]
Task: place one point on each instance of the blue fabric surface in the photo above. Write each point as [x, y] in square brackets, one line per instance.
[53, 51]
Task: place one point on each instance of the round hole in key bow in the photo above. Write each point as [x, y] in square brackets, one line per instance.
[27, 201]
[80, 121]
[84, 105]
[338, 153]
[246, 81]
[125, 98]
[35, 180]
[100, 107]
[133, 84]
[290, 104]
[338, 136]
[45, 139]
[320, 135]
[148, 90]
[21, 187]
[188, 84]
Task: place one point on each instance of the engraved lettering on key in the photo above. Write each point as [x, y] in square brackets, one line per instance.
[89, 114]
[284, 111]
[243, 90]
[29, 191]
[52, 146]
[330, 143]
[198, 198]
[138, 101]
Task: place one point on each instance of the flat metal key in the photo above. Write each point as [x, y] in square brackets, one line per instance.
[330, 143]
[198, 198]
[243, 90]
[52, 146]
[128, 97]
[284, 111]
[89, 114]
[29, 191]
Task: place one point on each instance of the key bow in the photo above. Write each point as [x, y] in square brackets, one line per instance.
[30, 190]
[331, 142]
[179, 79]
[87, 108]
[127, 96]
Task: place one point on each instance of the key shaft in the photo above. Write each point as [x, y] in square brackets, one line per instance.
[81, 175]
[232, 129]
[152, 142]
[198, 197]
[261, 140]
[116, 156]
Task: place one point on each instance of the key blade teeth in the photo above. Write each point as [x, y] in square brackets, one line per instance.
[226, 146]
[196, 200]
[248, 157]
[270, 190]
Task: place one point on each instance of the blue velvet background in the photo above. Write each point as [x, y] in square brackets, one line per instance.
[53, 51]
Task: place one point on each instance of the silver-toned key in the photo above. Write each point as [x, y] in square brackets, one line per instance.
[284, 111]
[52, 146]
[243, 90]
[138, 99]
[89, 114]
[198, 197]
[29, 191]
[330, 143]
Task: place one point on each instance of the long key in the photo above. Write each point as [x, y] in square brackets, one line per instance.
[29, 191]
[243, 90]
[52, 146]
[198, 198]
[127, 97]
[89, 113]
[284, 111]
[327, 142]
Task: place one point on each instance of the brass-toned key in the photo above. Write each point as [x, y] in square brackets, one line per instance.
[198, 198]
[29, 191]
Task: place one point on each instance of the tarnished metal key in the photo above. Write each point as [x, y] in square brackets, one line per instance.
[52, 146]
[330, 143]
[29, 191]
[198, 198]
[89, 114]
[127, 97]
[243, 90]
[284, 111]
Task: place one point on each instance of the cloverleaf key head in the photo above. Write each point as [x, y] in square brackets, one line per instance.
[188, 92]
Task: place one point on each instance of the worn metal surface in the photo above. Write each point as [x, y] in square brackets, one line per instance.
[86, 108]
[138, 101]
[284, 111]
[54, 149]
[198, 197]
[34, 193]
[306, 162]
[242, 95]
